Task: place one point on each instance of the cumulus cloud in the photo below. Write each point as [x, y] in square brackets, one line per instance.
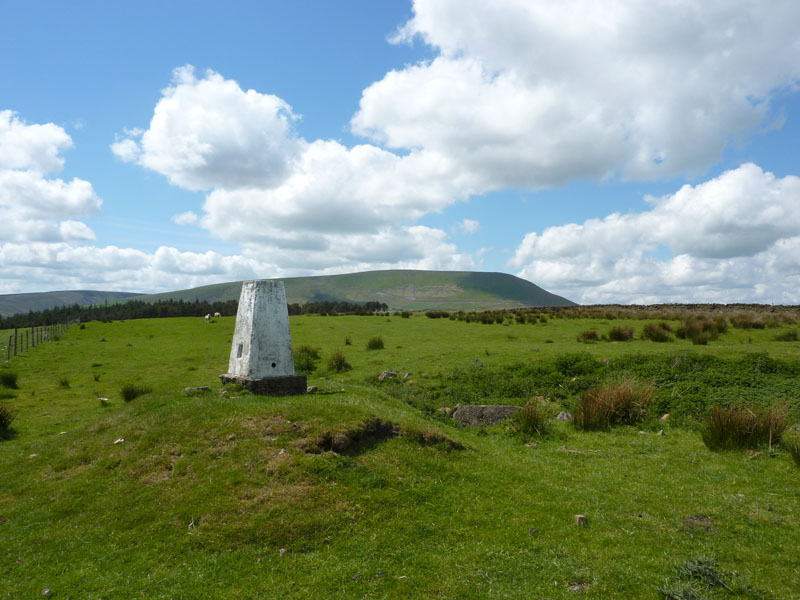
[317, 204]
[533, 94]
[207, 132]
[34, 207]
[468, 226]
[732, 238]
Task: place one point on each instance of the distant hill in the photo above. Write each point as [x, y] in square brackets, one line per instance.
[400, 289]
[11, 304]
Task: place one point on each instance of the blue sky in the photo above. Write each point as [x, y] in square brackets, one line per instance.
[610, 152]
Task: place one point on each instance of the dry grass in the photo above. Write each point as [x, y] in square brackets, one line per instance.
[740, 426]
[624, 401]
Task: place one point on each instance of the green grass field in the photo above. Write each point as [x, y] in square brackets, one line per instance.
[211, 495]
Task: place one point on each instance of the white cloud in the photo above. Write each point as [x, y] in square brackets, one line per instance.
[729, 239]
[533, 94]
[208, 132]
[468, 226]
[186, 218]
[33, 207]
[35, 147]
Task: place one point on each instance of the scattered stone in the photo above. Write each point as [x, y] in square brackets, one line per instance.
[282, 452]
[660, 432]
[580, 520]
[578, 586]
[531, 444]
[63, 433]
[479, 415]
[191, 390]
[387, 375]
[282, 551]
[565, 449]
[753, 455]
[223, 393]
[665, 417]
[642, 432]
[231, 437]
[46, 592]
[444, 409]
[119, 440]
[407, 375]
[104, 401]
[311, 389]
[638, 515]
[795, 427]
[564, 416]
[33, 456]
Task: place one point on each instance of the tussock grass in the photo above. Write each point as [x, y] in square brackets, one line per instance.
[375, 343]
[621, 334]
[590, 335]
[623, 401]
[130, 391]
[7, 417]
[63, 381]
[337, 361]
[657, 332]
[738, 426]
[8, 379]
[535, 418]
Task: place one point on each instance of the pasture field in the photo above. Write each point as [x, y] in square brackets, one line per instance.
[229, 495]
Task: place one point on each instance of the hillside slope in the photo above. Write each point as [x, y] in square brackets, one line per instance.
[11, 304]
[400, 289]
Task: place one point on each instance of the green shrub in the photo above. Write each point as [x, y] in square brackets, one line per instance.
[9, 379]
[304, 362]
[620, 334]
[130, 391]
[375, 343]
[437, 314]
[590, 335]
[7, 417]
[657, 332]
[739, 426]
[787, 336]
[405, 314]
[535, 418]
[622, 401]
[337, 361]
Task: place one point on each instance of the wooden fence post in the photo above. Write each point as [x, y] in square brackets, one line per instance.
[8, 349]
[15, 341]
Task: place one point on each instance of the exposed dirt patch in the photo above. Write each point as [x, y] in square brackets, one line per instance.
[699, 523]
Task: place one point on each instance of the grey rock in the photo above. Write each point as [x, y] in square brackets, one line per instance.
[580, 520]
[202, 388]
[311, 389]
[479, 415]
[387, 375]
[564, 416]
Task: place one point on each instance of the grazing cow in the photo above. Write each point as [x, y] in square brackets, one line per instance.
[217, 315]
[208, 318]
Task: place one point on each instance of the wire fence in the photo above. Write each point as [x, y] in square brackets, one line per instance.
[23, 339]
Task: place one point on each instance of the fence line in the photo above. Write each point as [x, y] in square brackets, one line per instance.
[23, 339]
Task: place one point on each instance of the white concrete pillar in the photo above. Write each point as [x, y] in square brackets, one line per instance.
[262, 342]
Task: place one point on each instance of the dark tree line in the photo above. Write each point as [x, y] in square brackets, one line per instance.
[138, 309]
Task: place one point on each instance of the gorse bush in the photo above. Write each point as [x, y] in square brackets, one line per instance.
[8, 379]
[623, 401]
[375, 343]
[535, 418]
[337, 361]
[620, 334]
[657, 332]
[737, 426]
[129, 391]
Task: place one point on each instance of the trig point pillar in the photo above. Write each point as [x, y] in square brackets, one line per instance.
[261, 354]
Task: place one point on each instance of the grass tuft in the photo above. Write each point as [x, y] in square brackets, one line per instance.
[9, 379]
[590, 335]
[337, 361]
[375, 343]
[535, 418]
[615, 402]
[129, 391]
[738, 426]
[7, 417]
[63, 382]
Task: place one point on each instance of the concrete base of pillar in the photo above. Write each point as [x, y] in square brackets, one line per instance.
[280, 385]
